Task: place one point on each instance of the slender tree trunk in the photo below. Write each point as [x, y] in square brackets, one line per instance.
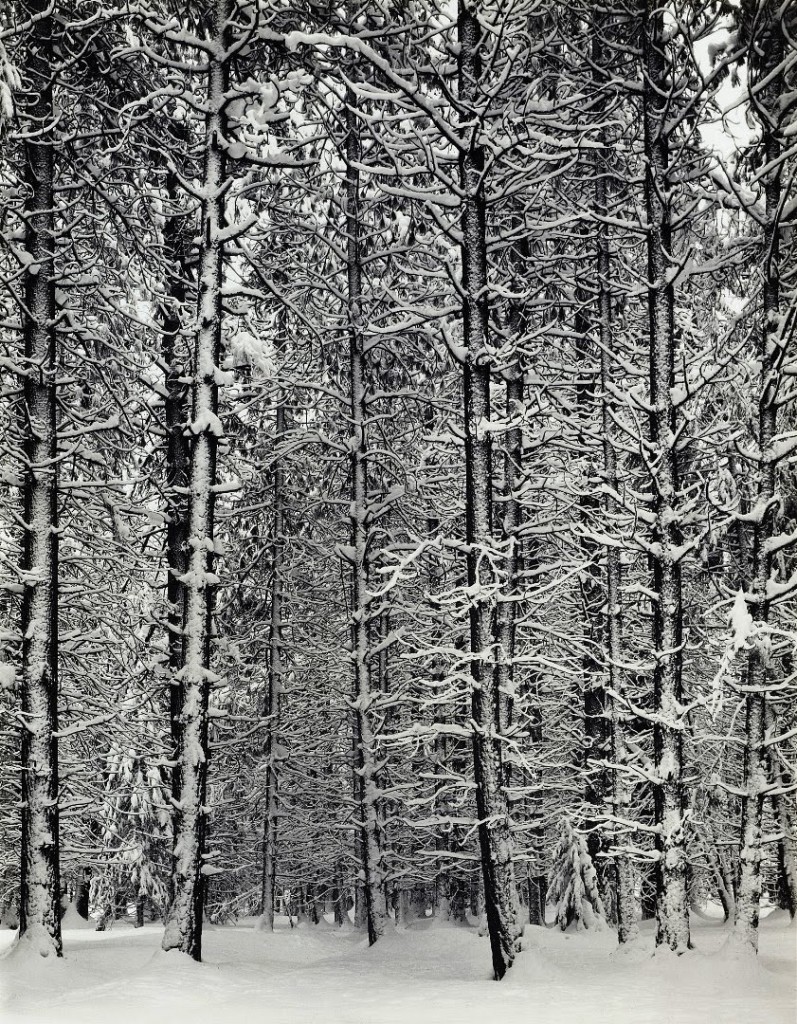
[627, 912]
[506, 614]
[402, 904]
[494, 828]
[39, 908]
[339, 897]
[442, 806]
[531, 807]
[275, 670]
[723, 877]
[82, 893]
[177, 459]
[367, 794]
[592, 596]
[787, 853]
[627, 927]
[786, 816]
[672, 904]
[766, 53]
[440, 761]
[177, 446]
[184, 924]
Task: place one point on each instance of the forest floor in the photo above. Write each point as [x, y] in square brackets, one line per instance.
[429, 974]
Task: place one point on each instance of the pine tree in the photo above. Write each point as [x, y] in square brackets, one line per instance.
[184, 924]
[573, 885]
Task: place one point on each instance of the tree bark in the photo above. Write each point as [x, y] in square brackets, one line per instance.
[785, 815]
[83, 892]
[592, 597]
[177, 456]
[339, 897]
[177, 446]
[367, 787]
[495, 838]
[184, 923]
[39, 909]
[627, 927]
[275, 670]
[672, 904]
[506, 614]
[766, 52]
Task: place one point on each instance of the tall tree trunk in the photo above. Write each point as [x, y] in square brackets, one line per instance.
[184, 923]
[672, 904]
[766, 52]
[367, 794]
[177, 446]
[39, 908]
[275, 670]
[627, 927]
[592, 595]
[177, 456]
[506, 614]
[495, 838]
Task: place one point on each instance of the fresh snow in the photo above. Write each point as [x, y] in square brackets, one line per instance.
[428, 974]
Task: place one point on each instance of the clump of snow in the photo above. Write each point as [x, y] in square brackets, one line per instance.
[742, 625]
[9, 82]
[8, 676]
[206, 420]
[743, 630]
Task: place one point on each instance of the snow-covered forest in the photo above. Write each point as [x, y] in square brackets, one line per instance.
[398, 493]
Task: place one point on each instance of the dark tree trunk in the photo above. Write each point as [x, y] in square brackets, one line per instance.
[537, 896]
[495, 838]
[177, 448]
[339, 898]
[184, 924]
[766, 53]
[39, 908]
[506, 614]
[275, 671]
[672, 905]
[176, 368]
[367, 782]
[82, 893]
[592, 593]
[619, 794]
[785, 815]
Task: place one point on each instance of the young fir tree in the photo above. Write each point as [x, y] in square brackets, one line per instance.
[573, 884]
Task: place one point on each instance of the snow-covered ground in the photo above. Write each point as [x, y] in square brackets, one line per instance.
[426, 974]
